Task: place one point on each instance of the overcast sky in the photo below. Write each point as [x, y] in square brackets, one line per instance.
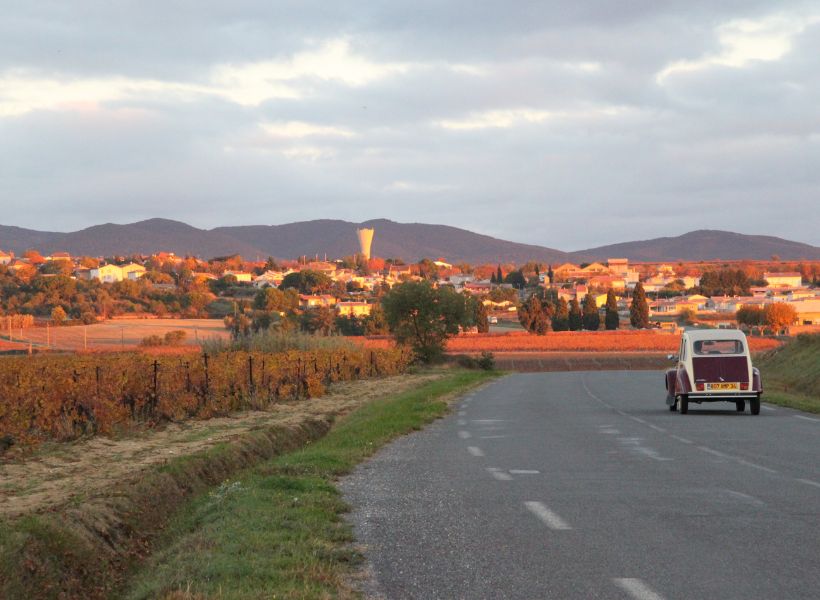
[565, 124]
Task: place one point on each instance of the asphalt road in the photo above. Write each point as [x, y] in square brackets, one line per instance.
[584, 485]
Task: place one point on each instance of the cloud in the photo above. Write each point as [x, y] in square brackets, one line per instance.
[745, 41]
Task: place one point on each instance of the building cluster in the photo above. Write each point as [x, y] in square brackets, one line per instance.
[569, 282]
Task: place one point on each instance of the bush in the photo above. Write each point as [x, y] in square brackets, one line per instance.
[274, 340]
[152, 340]
[487, 361]
[175, 338]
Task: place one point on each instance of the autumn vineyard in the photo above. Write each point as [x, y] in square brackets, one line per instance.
[62, 397]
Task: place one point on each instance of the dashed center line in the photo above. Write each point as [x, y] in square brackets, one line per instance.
[462, 422]
[524, 472]
[548, 517]
[499, 474]
[637, 588]
[475, 451]
[681, 439]
[464, 434]
[806, 481]
[738, 460]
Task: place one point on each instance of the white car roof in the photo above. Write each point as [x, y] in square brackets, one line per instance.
[715, 334]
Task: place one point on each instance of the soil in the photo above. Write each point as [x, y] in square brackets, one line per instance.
[63, 473]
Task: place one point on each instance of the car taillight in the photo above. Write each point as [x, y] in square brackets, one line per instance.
[699, 386]
[744, 385]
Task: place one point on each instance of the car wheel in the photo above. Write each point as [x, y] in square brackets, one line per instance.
[754, 404]
[740, 405]
[684, 404]
[673, 407]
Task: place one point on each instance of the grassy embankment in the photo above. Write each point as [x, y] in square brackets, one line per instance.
[276, 531]
[791, 374]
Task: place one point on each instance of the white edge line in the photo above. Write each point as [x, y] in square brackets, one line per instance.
[806, 418]
[806, 481]
[524, 472]
[549, 518]
[681, 439]
[637, 588]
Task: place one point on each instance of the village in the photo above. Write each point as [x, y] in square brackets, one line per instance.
[353, 285]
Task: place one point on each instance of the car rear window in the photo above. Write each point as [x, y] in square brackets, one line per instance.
[708, 347]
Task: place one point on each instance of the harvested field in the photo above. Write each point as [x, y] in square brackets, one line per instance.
[119, 334]
[570, 341]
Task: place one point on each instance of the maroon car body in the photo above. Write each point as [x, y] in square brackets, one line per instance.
[713, 365]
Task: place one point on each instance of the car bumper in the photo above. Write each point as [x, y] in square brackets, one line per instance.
[721, 396]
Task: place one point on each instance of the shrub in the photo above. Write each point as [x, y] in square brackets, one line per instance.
[175, 338]
[152, 340]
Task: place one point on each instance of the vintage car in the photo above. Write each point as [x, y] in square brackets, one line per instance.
[713, 366]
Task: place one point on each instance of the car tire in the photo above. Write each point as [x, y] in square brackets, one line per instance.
[740, 405]
[673, 407]
[684, 404]
[754, 405]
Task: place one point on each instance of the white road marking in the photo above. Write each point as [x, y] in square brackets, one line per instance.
[462, 422]
[806, 418]
[524, 472]
[656, 428]
[637, 588]
[680, 439]
[464, 434]
[755, 465]
[650, 453]
[493, 437]
[549, 518]
[462, 413]
[499, 474]
[489, 421]
[737, 459]
[475, 451]
[714, 452]
[746, 497]
[806, 481]
[610, 431]
[639, 420]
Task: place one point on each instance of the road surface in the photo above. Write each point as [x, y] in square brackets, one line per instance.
[584, 485]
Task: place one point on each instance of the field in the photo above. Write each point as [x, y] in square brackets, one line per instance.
[570, 341]
[791, 374]
[119, 334]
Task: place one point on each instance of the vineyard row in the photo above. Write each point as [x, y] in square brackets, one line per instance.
[62, 397]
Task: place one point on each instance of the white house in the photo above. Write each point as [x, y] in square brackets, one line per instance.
[783, 279]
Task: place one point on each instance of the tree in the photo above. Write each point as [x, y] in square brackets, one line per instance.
[779, 315]
[481, 316]
[687, 316]
[575, 319]
[750, 316]
[639, 309]
[58, 315]
[550, 274]
[499, 276]
[307, 282]
[321, 320]
[376, 323]
[611, 319]
[591, 319]
[516, 279]
[533, 316]
[273, 300]
[424, 317]
[560, 322]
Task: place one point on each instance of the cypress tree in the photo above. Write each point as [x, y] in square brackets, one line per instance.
[560, 321]
[611, 320]
[575, 319]
[499, 277]
[493, 279]
[549, 273]
[639, 309]
[482, 315]
[591, 318]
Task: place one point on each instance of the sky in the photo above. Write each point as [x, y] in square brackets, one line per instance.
[564, 124]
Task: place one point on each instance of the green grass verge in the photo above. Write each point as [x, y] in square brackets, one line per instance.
[276, 531]
[791, 374]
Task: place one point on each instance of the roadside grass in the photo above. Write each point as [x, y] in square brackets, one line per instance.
[277, 531]
[791, 374]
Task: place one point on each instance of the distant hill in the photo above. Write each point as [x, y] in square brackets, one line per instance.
[409, 241]
[704, 244]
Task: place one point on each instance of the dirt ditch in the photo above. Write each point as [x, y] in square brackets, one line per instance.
[74, 517]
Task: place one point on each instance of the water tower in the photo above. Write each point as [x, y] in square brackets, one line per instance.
[365, 240]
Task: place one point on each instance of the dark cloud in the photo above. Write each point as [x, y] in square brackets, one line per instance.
[564, 124]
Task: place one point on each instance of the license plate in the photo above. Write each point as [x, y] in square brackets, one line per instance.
[722, 386]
